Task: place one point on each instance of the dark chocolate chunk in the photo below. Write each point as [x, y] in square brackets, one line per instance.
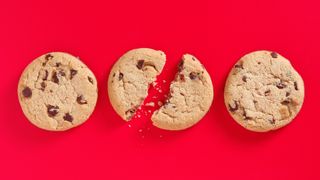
[120, 76]
[114, 74]
[62, 73]
[81, 100]
[26, 92]
[48, 57]
[193, 75]
[239, 66]
[296, 86]
[140, 64]
[286, 102]
[73, 73]
[90, 80]
[43, 85]
[130, 113]
[181, 77]
[68, 117]
[274, 55]
[54, 77]
[267, 92]
[244, 78]
[281, 85]
[58, 64]
[235, 107]
[46, 75]
[273, 121]
[193, 58]
[52, 110]
[287, 94]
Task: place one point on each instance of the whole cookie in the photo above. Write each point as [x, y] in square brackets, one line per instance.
[130, 78]
[263, 91]
[57, 91]
[191, 95]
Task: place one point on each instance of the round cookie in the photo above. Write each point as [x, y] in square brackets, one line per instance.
[57, 91]
[191, 95]
[130, 78]
[263, 91]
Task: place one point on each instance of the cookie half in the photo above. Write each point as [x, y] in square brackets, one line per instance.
[263, 91]
[130, 78]
[191, 95]
[57, 91]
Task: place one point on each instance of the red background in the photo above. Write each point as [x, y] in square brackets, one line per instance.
[105, 147]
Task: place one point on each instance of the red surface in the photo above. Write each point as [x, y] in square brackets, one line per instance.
[105, 147]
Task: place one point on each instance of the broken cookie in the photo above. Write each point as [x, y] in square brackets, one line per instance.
[57, 91]
[130, 78]
[191, 95]
[263, 91]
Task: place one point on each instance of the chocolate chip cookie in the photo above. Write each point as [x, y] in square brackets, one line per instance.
[191, 95]
[57, 91]
[263, 91]
[130, 78]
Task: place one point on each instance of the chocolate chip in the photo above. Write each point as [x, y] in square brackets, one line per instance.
[181, 77]
[287, 94]
[235, 107]
[140, 64]
[62, 73]
[52, 110]
[193, 75]
[46, 75]
[81, 100]
[120, 76]
[73, 73]
[193, 58]
[274, 55]
[244, 78]
[296, 86]
[286, 102]
[26, 92]
[267, 92]
[54, 77]
[48, 57]
[281, 85]
[114, 74]
[43, 85]
[180, 66]
[273, 121]
[58, 64]
[90, 80]
[68, 117]
[130, 113]
[239, 66]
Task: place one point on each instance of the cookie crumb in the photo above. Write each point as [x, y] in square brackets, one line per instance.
[154, 84]
[150, 104]
[140, 130]
[160, 103]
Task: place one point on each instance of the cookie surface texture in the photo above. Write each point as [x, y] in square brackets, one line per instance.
[130, 78]
[57, 91]
[191, 95]
[263, 91]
